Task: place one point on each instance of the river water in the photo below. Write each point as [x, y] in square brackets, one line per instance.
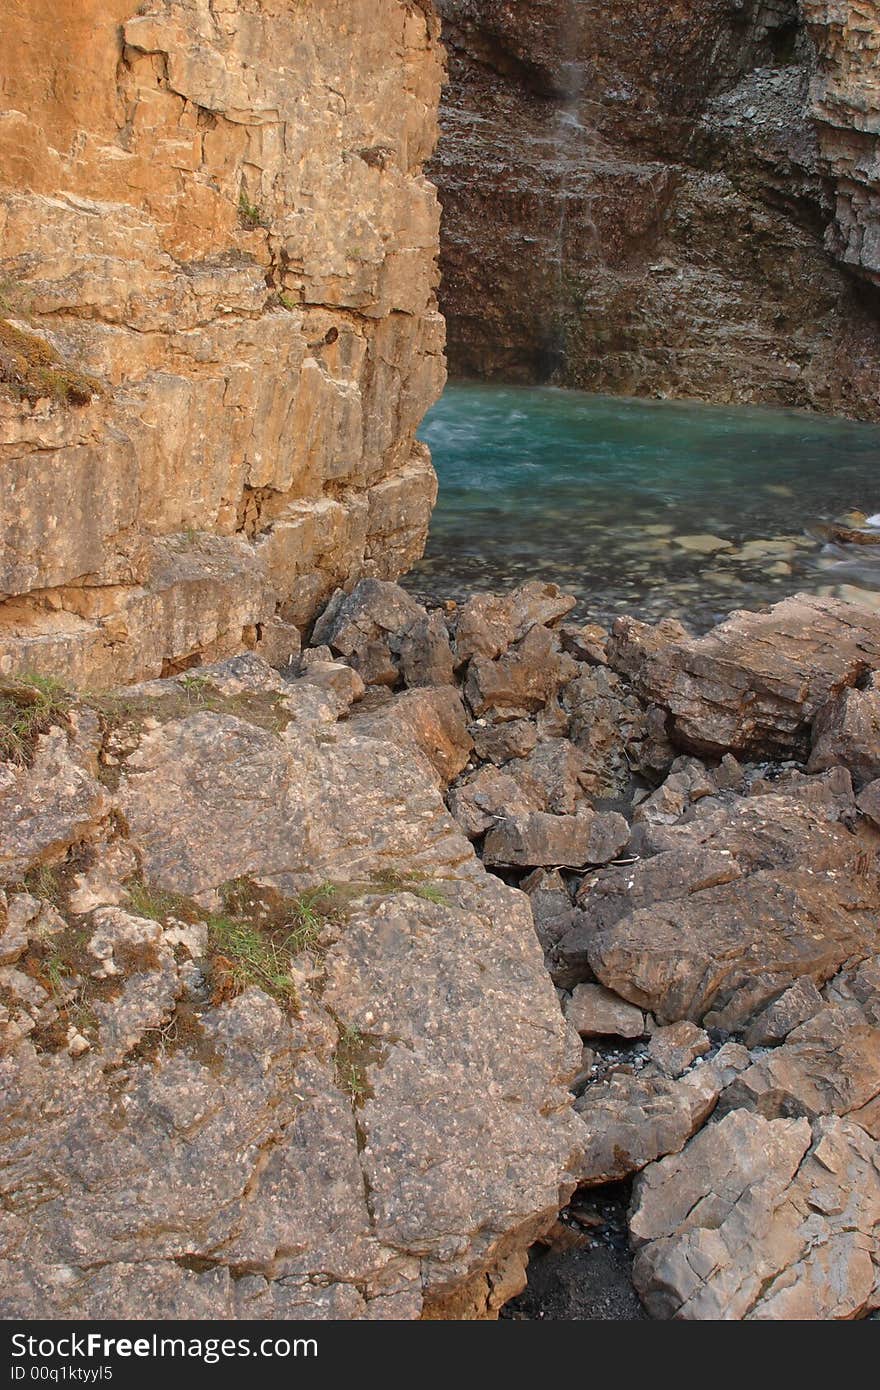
[654, 508]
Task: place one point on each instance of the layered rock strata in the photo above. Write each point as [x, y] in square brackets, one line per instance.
[664, 200]
[218, 329]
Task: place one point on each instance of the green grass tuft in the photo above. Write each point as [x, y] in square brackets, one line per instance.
[29, 706]
[249, 213]
[154, 903]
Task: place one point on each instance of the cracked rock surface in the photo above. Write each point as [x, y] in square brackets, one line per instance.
[309, 1142]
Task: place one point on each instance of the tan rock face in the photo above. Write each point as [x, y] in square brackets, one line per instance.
[761, 1219]
[218, 213]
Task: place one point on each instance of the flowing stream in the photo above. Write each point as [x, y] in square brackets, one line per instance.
[654, 508]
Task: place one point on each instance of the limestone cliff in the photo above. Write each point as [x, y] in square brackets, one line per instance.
[671, 199]
[218, 329]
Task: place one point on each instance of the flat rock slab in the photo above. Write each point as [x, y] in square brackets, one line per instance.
[754, 684]
[761, 1219]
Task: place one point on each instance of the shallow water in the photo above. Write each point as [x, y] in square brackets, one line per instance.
[648, 507]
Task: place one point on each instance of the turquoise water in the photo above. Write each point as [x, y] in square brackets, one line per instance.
[649, 507]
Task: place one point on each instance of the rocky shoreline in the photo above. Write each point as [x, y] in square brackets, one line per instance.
[263, 994]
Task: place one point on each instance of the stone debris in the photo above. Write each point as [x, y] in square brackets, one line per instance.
[715, 947]
[829, 1065]
[676, 1046]
[539, 838]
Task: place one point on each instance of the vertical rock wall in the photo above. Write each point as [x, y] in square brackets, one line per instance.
[670, 199]
[218, 325]
[845, 103]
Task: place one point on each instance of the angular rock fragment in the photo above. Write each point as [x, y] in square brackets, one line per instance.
[596, 1012]
[609, 728]
[586, 642]
[46, 808]
[868, 802]
[798, 1003]
[133, 948]
[846, 732]
[675, 1047]
[860, 984]
[550, 777]
[829, 1065]
[736, 903]
[754, 684]
[630, 1121]
[761, 1219]
[489, 623]
[483, 628]
[484, 798]
[344, 682]
[520, 681]
[688, 782]
[360, 625]
[423, 652]
[431, 721]
[498, 743]
[556, 841]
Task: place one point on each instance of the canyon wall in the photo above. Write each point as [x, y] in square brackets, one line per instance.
[218, 324]
[670, 199]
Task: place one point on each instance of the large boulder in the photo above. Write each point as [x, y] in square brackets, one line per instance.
[252, 1105]
[741, 898]
[754, 684]
[761, 1219]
